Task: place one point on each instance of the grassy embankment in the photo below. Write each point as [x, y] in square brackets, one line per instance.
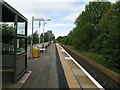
[100, 59]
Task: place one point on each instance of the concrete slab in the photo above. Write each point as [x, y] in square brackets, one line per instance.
[85, 82]
[78, 72]
[72, 64]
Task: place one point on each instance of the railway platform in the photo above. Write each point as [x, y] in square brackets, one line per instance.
[55, 68]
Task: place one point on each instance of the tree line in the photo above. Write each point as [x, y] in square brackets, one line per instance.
[97, 31]
[48, 36]
[8, 30]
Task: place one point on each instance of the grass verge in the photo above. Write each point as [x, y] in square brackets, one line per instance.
[100, 59]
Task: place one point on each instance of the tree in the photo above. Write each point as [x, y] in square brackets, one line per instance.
[93, 13]
[7, 30]
[61, 39]
[35, 37]
[107, 42]
[48, 36]
[84, 33]
[97, 31]
[29, 40]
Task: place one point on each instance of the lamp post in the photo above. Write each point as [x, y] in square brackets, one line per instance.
[49, 36]
[39, 31]
[44, 29]
[32, 36]
[38, 19]
[41, 19]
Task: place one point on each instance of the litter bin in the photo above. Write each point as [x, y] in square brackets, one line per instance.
[35, 52]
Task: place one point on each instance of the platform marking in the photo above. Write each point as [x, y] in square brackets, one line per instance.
[25, 77]
[62, 50]
[89, 76]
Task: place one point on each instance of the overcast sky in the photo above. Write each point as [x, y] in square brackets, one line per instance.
[61, 12]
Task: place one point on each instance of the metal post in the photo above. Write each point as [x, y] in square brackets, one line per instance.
[32, 35]
[26, 23]
[39, 31]
[43, 30]
[1, 45]
[38, 19]
[15, 47]
[49, 36]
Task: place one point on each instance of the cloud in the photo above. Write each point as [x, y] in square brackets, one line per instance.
[61, 12]
[61, 29]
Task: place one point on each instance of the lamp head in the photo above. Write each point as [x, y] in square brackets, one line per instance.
[48, 19]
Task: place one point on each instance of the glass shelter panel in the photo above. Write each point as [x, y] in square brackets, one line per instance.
[8, 45]
[21, 28]
[20, 46]
[7, 28]
[7, 33]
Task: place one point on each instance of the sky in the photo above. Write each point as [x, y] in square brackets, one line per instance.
[61, 12]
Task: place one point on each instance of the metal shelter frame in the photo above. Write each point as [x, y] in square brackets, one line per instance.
[14, 62]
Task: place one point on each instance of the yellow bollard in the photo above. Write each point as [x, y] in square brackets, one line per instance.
[35, 52]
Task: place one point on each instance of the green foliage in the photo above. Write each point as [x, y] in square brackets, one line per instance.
[7, 30]
[35, 37]
[84, 36]
[62, 39]
[97, 34]
[101, 59]
[93, 13]
[107, 42]
[29, 40]
[96, 57]
[48, 36]
[85, 33]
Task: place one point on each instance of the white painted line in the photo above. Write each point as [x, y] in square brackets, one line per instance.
[25, 77]
[68, 58]
[90, 77]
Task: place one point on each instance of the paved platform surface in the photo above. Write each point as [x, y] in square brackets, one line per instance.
[47, 71]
